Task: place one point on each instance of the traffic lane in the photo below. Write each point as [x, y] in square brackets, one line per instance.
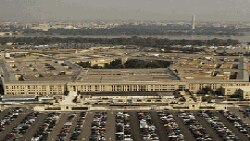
[56, 130]
[231, 127]
[209, 129]
[86, 130]
[110, 127]
[184, 129]
[33, 129]
[161, 130]
[14, 123]
[135, 126]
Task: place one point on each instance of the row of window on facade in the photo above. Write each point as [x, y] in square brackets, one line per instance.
[33, 86]
[125, 87]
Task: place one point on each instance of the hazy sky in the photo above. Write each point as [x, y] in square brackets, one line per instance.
[80, 10]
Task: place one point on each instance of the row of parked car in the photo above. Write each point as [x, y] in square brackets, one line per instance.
[98, 127]
[78, 128]
[246, 112]
[195, 127]
[147, 128]
[218, 126]
[21, 129]
[123, 129]
[48, 125]
[171, 126]
[65, 130]
[9, 117]
[238, 123]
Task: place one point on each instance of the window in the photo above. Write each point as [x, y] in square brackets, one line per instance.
[96, 88]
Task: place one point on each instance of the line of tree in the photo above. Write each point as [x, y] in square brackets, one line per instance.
[145, 42]
[131, 63]
[141, 30]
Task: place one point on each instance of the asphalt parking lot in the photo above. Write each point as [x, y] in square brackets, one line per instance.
[167, 126]
[209, 130]
[14, 123]
[4, 112]
[86, 130]
[241, 136]
[187, 134]
[110, 136]
[240, 114]
[159, 126]
[56, 130]
[31, 131]
[134, 126]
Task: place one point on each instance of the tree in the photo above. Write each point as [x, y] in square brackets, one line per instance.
[84, 64]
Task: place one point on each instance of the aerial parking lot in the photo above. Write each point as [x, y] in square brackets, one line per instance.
[21, 124]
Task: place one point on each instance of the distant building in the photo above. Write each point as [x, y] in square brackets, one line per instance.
[7, 55]
[6, 34]
[193, 22]
[32, 75]
[243, 91]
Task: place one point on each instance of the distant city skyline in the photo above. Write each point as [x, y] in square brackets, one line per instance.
[81, 10]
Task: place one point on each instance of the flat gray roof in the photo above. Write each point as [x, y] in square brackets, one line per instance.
[125, 75]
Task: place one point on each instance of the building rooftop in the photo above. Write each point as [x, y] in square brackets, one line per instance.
[125, 75]
[34, 68]
[59, 66]
[218, 69]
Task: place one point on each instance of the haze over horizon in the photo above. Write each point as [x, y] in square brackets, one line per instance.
[80, 10]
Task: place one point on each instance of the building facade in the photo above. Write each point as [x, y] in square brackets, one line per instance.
[38, 89]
